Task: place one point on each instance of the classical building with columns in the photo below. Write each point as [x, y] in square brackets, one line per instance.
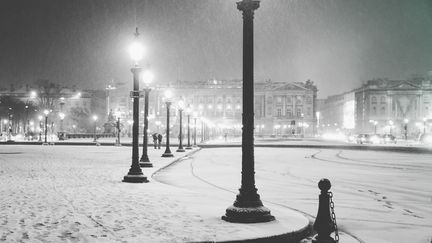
[392, 104]
[382, 106]
[281, 109]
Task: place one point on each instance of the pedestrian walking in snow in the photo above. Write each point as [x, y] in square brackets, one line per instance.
[155, 140]
[159, 136]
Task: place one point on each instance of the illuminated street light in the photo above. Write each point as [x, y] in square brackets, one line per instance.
[391, 126]
[147, 78]
[135, 174]
[95, 118]
[117, 142]
[188, 112]
[406, 128]
[180, 108]
[46, 112]
[136, 49]
[62, 116]
[33, 94]
[40, 127]
[168, 97]
[195, 117]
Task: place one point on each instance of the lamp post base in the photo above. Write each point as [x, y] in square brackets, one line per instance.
[188, 147]
[167, 155]
[180, 150]
[259, 214]
[145, 164]
[135, 178]
[317, 239]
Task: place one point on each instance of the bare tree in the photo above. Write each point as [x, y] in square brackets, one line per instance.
[49, 93]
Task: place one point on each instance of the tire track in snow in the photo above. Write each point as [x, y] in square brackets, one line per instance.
[309, 216]
[391, 166]
[400, 205]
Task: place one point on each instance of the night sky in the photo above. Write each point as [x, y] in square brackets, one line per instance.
[336, 43]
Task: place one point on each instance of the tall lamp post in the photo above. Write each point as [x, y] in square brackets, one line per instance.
[424, 125]
[40, 127]
[391, 126]
[195, 117]
[180, 108]
[375, 127]
[248, 207]
[46, 112]
[95, 118]
[147, 79]
[168, 96]
[62, 116]
[406, 128]
[188, 111]
[118, 130]
[135, 174]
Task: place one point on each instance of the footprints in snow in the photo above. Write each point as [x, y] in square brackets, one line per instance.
[388, 204]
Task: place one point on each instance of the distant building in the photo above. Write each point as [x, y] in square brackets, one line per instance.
[337, 113]
[392, 104]
[381, 105]
[280, 108]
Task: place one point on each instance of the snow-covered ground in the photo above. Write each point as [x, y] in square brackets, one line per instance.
[75, 194]
[380, 197]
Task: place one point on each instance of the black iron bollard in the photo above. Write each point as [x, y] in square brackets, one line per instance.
[324, 224]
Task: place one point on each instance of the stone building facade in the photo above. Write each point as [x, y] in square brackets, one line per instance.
[281, 109]
[382, 106]
[392, 104]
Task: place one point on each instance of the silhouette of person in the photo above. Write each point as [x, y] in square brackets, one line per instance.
[155, 140]
[159, 136]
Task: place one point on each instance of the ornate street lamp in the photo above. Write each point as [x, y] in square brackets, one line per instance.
[135, 174]
[147, 78]
[40, 127]
[117, 143]
[406, 128]
[248, 207]
[61, 134]
[188, 112]
[168, 97]
[180, 108]
[195, 117]
[95, 118]
[46, 112]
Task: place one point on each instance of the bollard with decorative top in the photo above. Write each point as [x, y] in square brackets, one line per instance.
[325, 222]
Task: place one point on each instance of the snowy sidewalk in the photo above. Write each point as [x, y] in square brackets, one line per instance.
[72, 193]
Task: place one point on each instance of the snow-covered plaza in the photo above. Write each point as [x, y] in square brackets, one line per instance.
[75, 193]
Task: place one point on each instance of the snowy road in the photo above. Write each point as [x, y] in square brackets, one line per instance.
[380, 197]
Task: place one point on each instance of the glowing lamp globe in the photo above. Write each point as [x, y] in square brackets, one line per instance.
[62, 116]
[168, 94]
[136, 51]
[33, 94]
[181, 104]
[147, 77]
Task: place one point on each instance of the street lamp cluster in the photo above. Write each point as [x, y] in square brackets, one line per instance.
[135, 174]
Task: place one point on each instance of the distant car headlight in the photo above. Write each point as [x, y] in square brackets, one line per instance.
[427, 139]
